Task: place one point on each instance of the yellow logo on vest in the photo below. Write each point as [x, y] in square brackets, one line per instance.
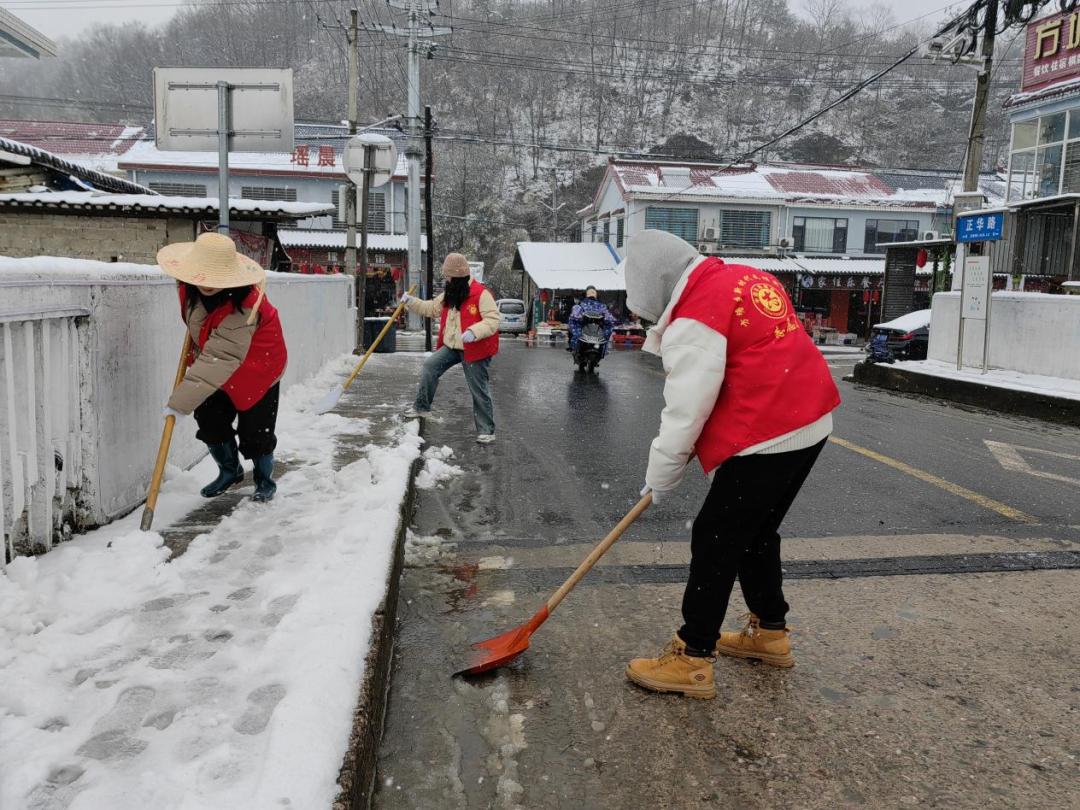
[473, 309]
[769, 301]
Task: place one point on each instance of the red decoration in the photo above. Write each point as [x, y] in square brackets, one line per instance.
[877, 296]
[544, 296]
[301, 156]
[396, 274]
[920, 258]
[326, 156]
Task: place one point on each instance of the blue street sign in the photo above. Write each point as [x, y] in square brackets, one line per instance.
[979, 227]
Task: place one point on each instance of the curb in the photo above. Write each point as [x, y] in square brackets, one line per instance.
[356, 779]
[1003, 400]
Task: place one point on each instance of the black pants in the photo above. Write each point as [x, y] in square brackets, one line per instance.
[735, 535]
[255, 426]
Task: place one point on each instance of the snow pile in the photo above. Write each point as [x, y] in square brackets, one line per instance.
[421, 552]
[226, 678]
[437, 468]
[997, 378]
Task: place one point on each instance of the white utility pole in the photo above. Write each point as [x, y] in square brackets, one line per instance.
[417, 34]
[349, 188]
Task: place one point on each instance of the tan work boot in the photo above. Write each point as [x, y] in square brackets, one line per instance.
[674, 671]
[770, 646]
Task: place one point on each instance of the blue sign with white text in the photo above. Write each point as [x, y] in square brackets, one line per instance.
[980, 227]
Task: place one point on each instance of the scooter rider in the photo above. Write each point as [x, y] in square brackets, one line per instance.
[590, 303]
[750, 395]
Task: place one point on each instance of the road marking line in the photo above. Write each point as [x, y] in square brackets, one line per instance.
[929, 478]
[1008, 456]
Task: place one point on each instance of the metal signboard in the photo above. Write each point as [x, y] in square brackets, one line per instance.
[383, 159]
[980, 227]
[260, 115]
[1052, 50]
[975, 299]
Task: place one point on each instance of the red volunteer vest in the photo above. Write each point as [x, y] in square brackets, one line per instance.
[266, 358]
[776, 380]
[470, 315]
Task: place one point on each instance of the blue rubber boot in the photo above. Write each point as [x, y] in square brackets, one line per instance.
[229, 470]
[264, 482]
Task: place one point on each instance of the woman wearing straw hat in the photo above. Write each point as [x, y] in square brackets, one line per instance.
[237, 359]
[468, 334]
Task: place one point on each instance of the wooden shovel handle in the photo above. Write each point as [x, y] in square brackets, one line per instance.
[166, 440]
[376, 342]
[599, 551]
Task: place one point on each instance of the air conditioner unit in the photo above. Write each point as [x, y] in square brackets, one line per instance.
[709, 234]
[785, 242]
[930, 235]
[707, 247]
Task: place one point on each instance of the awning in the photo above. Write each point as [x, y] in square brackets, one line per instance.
[570, 265]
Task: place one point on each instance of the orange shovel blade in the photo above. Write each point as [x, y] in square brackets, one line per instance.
[501, 650]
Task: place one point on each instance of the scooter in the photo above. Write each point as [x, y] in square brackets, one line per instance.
[591, 344]
[878, 351]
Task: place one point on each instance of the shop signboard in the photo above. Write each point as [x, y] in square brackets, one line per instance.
[1052, 50]
[980, 227]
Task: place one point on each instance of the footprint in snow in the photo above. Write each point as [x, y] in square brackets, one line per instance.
[261, 704]
[278, 609]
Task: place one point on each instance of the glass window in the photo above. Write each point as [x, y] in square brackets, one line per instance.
[880, 232]
[1074, 123]
[619, 232]
[1022, 176]
[179, 189]
[683, 222]
[512, 308]
[1048, 170]
[376, 211]
[1052, 128]
[819, 234]
[1071, 181]
[1024, 134]
[267, 193]
[607, 230]
[748, 229]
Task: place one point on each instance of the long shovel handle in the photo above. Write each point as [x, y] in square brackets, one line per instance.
[376, 342]
[163, 447]
[599, 551]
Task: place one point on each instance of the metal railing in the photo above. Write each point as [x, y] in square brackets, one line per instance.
[41, 374]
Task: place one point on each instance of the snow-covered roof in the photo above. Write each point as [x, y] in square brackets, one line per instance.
[76, 201]
[335, 240]
[145, 155]
[814, 266]
[787, 184]
[95, 146]
[88, 176]
[1060, 88]
[907, 323]
[570, 265]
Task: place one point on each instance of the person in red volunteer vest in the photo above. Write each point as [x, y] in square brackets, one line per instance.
[751, 397]
[237, 358]
[468, 334]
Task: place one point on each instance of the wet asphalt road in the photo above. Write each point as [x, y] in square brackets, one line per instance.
[894, 526]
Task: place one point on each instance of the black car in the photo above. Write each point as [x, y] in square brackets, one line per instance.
[905, 338]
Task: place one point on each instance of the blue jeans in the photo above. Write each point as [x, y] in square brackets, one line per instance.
[476, 377]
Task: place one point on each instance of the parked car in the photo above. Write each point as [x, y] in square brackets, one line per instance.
[905, 338]
[512, 315]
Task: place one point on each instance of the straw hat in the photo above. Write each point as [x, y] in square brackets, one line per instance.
[210, 261]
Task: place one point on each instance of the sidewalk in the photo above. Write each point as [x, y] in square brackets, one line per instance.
[1050, 398]
[217, 661]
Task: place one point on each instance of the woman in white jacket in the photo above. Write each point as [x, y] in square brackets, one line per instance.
[751, 397]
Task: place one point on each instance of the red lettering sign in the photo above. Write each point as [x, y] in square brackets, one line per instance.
[300, 155]
[326, 156]
[1053, 50]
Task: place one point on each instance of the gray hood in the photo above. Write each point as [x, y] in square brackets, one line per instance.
[655, 261]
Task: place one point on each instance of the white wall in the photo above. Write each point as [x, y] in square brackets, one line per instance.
[1029, 332]
[129, 347]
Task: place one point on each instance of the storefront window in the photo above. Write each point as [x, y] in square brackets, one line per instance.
[1024, 134]
[1022, 176]
[1070, 181]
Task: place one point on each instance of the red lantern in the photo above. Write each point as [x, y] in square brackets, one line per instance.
[544, 296]
[920, 258]
[396, 273]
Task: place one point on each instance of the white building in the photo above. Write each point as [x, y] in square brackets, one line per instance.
[771, 210]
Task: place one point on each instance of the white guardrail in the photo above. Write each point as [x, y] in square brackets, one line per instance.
[40, 426]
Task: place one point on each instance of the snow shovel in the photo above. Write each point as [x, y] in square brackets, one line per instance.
[166, 440]
[501, 650]
[327, 403]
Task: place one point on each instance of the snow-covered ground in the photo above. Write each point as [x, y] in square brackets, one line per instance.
[999, 378]
[226, 678]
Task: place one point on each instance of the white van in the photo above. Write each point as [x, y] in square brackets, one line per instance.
[512, 315]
